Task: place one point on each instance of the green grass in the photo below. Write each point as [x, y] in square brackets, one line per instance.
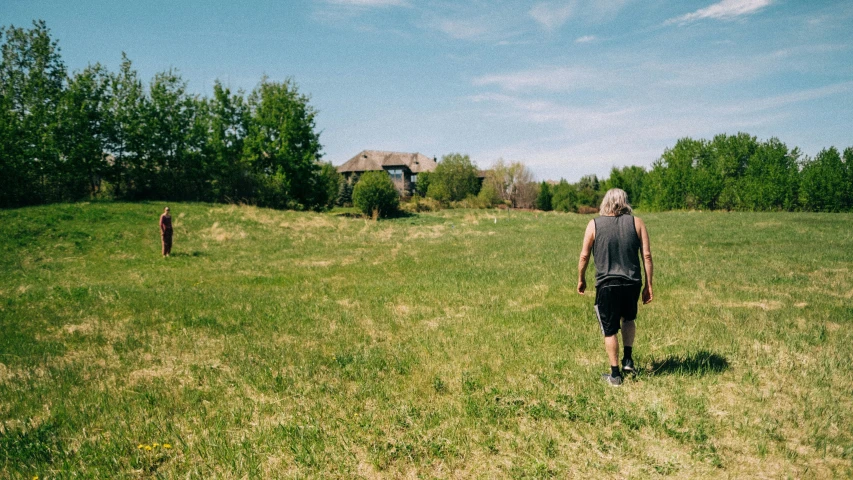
[443, 345]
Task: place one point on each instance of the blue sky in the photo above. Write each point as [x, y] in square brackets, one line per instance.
[569, 87]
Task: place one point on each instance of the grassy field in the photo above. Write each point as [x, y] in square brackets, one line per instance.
[443, 345]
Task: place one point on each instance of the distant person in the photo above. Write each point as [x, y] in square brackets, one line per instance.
[166, 232]
[615, 240]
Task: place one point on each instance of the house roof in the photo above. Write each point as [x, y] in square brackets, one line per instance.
[368, 160]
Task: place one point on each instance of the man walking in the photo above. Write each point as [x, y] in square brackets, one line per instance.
[615, 239]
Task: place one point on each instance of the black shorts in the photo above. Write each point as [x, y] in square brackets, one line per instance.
[615, 301]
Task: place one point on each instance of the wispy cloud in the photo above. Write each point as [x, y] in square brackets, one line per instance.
[785, 99]
[543, 111]
[462, 29]
[369, 3]
[552, 16]
[725, 10]
[550, 78]
[657, 74]
[586, 39]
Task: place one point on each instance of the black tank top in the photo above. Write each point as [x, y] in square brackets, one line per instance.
[616, 250]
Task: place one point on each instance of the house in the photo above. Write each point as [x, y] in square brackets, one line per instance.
[402, 167]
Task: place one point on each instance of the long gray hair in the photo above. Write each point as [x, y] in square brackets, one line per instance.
[615, 202]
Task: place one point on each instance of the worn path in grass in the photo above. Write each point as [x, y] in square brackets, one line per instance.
[450, 345]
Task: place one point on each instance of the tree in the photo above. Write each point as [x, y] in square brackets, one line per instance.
[588, 191]
[32, 79]
[344, 194]
[329, 185]
[823, 182]
[512, 182]
[422, 185]
[374, 194]
[488, 195]
[564, 197]
[174, 169]
[81, 118]
[848, 165]
[543, 199]
[454, 178]
[769, 180]
[124, 128]
[282, 142]
[630, 179]
[228, 171]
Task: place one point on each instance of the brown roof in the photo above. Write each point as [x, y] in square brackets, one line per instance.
[368, 160]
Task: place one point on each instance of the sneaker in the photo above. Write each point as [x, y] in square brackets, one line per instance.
[628, 365]
[613, 381]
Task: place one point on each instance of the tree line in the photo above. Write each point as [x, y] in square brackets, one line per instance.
[96, 133]
[66, 137]
[728, 172]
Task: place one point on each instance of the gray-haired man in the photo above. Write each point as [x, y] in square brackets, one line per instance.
[615, 239]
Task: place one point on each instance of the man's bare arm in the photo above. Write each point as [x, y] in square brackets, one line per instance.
[586, 251]
[648, 296]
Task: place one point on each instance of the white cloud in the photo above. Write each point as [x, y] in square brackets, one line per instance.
[586, 39]
[725, 10]
[785, 99]
[552, 79]
[541, 111]
[369, 3]
[462, 29]
[552, 16]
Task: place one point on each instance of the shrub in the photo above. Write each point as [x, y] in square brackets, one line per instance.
[374, 194]
[488, 195]
[472, 201]
[422, 185]
[439, 191]
[421, 204]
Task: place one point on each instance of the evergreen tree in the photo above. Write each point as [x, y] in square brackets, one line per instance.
[543, 199]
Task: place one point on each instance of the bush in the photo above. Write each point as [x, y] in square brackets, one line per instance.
[421, 204]
[422, 185]
[488, 195]
[374, 194]
[439, 191]
[472, 201]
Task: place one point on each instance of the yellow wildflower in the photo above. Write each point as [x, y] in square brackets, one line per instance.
[155, 445]
[148, 448]
[140, 446]
[166, 445]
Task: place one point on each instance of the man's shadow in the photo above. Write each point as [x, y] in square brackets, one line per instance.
[187, 254]
[695, 364]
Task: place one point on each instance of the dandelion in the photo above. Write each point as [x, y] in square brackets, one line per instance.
[155, 445]
[148, 448]
[140, 446]
[166, 445]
